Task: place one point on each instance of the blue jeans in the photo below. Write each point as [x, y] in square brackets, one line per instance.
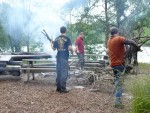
[81, 60]
[118, 82]
[62, 73]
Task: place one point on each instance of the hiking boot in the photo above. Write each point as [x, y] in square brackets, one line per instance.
[58, 90]
[64, 91]
[119, 106]
[118, 103]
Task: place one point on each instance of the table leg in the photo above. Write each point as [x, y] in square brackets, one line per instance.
[33, 77]
[28, 72]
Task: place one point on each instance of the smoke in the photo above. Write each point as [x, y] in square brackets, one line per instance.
[15, 22]
[29, 18]
[75, 4]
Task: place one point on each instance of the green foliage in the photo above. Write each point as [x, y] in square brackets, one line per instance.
[4, 40]
[93, 32]
[128, 15]
[143, 21]
[140, 89]
[144, 66]
[37, 47]
[141, 97]
[98, 49]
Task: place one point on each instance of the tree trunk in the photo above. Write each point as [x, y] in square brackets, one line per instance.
[118, 13]
[11, 44]
[28, 50]
[17, 47]
[107, 24]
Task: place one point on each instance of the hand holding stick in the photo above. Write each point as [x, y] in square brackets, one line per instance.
[44, 32]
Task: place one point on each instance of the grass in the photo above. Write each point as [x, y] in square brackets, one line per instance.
[139, 86]
[144, 66]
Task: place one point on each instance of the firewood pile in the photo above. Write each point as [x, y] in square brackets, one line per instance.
[102, 80]
[97, 78]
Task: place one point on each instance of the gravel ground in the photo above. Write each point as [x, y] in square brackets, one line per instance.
[39, 96]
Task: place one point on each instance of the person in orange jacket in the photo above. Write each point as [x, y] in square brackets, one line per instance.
[116, 53]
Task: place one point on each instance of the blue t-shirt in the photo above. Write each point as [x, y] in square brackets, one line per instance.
[61, 43]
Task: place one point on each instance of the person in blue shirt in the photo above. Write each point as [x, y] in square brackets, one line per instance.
[63, 45]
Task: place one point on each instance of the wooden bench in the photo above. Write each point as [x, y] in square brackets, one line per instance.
[40, 69]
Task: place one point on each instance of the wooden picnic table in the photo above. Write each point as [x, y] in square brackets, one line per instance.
[49, 65]
[29, 65]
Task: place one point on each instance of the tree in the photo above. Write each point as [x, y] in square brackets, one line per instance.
[107, 22]
[130, 16]
[92, 25]
[4, 40]
[16, 22]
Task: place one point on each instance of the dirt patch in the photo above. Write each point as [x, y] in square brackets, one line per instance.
[39, 96]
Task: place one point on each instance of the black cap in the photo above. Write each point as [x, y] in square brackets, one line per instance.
[114, 31]
[63, 29]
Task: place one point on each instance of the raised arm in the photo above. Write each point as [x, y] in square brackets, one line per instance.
[131, 42]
